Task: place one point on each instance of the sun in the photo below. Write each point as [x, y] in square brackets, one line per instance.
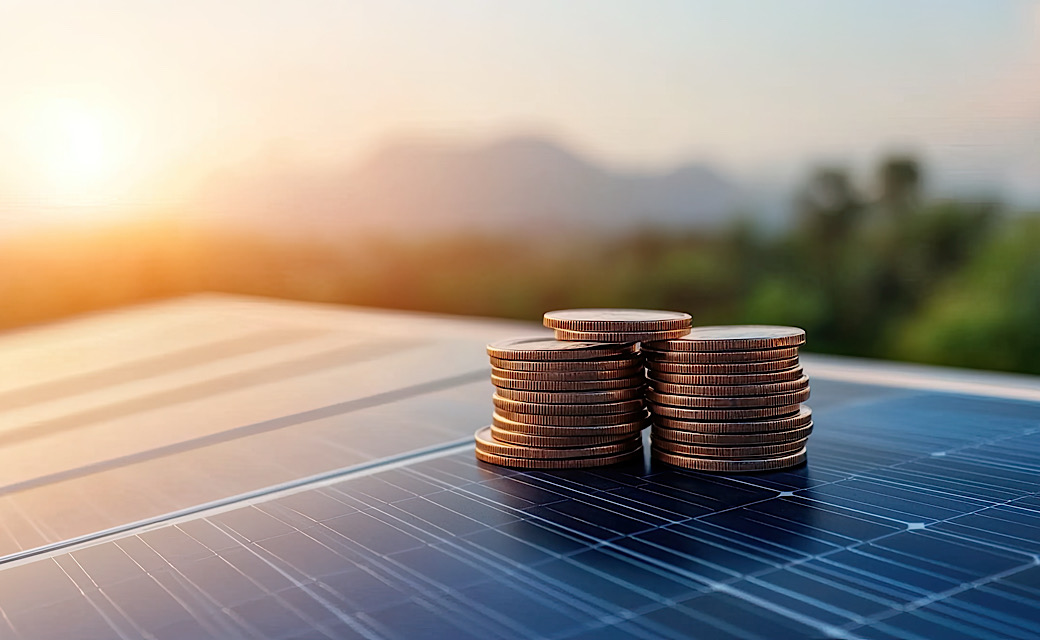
[78, 152]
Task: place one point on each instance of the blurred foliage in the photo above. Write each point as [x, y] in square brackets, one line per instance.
[880, 273]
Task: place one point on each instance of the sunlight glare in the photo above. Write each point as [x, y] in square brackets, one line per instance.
[78, 153]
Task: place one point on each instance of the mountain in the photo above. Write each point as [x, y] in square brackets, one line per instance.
[516, 184]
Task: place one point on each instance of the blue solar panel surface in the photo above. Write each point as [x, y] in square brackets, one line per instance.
[917, 516]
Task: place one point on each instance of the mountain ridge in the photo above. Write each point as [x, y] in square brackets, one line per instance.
[509, 184]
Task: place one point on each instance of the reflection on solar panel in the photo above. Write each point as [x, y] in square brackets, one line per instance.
[918, 516]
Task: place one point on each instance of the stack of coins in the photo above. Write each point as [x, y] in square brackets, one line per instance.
[728, 399]
[564, 405]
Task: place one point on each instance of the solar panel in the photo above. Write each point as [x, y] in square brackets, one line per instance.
[917, 516]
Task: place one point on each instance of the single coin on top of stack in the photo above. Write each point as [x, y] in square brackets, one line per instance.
[563, 405]
[729, 399]
[617, 325]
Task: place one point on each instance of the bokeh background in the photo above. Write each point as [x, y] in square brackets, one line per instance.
[869, 170]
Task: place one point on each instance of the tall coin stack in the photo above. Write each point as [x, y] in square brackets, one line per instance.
[729, 399]
[564, 405]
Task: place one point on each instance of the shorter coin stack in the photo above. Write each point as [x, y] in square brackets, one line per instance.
[563, 405]
[728, 399]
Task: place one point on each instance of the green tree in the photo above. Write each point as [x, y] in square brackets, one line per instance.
[988, 314]
[828, 206]
[899, 180]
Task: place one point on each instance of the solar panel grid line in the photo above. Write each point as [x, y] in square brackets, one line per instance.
[629, 586]
[1010, 527]
[447, 540]
[100, 610]
[704, 618]
[997, 463]
[861, 506]
[199, 619]
[925, 602]
[851, 516]
[300, 584]
[557, 592]
[824, 628]
[966, 622]
[683, 587]
[618, 507]
[977, 469]
[608, 543]
[904, 476]
[898, 602]
[843, 577]
[783, 538]
[107, 608]
[974, 619]
[435, 610]
[771, 553]
[977, 561]
[887, 480]
[978, 540]
[975, 475]
[697, 566]
[894, 590]
[816, 602]
[819, 538]
[307, 483]
[205, 607]
[1014, 595]
[896, 466]
[1008, 612]
[492, 568]
[938, 497]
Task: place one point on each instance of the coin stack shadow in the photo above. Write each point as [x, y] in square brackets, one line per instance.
[723, 402]
[560, 406]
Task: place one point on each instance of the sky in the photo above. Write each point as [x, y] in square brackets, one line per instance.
[136, 103]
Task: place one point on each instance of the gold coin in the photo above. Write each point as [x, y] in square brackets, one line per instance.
[568, 385]
[545, 348]
[720, 368]
[572, 463]
[654, 356]
[734, 338]
[708, 402]
[553, 409]
[594, 364]
[525, 439]
[569, 376]
[720, 415]
[487, 443]
[802, 417]
[571, 397]
[742, 452]
[720, 465]
[618, 336]
[731, 439]
[727, 380]
[762, 389]
[617, 320]
[611, 420]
